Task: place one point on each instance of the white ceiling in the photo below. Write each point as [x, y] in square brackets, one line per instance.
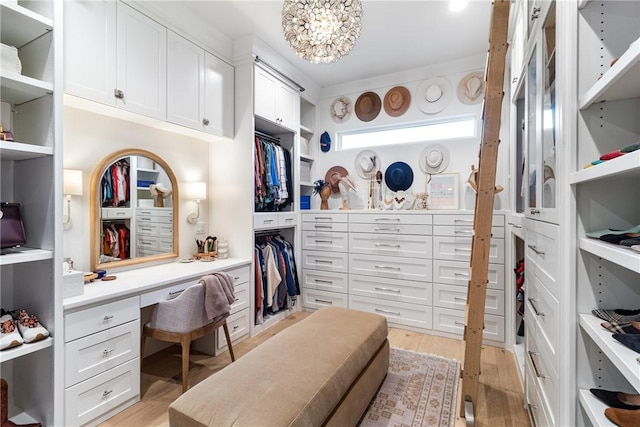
[395, 36]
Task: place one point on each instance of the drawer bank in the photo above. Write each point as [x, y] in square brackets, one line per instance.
[323, 370]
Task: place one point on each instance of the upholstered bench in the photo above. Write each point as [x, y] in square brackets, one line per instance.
[324, 370]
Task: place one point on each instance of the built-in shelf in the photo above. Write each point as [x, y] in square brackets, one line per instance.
[19, 25]
[619, 82]
[147, 170]
[20, 151]
[582, 3]
[24, 349]
[20, 255]
[307, 184]
[594, 409]
[620, 355]
[18, 89]
[627, 165]
[620, 255]
[305, 158]
[306, 131]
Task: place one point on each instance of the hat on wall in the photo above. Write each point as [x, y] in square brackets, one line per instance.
[325, 142]
[367, 164]
[433, 95]
[368, 106]
[434, 159]
[396, 101]
[333, 177]
[471, 87]
[398, 176]
[341, 109]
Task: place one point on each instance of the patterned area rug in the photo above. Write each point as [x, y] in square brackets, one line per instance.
[419, 390]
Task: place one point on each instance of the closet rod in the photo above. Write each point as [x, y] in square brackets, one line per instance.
[268, 137]
[273, 232]
[272, 68]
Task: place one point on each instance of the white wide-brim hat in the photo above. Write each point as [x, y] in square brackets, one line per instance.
[367, 163]
[434, 159]
[471, 88]
[434, 95]
[341, 109]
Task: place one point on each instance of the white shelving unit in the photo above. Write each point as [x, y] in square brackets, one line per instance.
[594, 409]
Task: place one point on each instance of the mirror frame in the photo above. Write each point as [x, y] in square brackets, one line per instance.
[96, 212]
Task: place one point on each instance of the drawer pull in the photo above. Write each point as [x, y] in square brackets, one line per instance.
[462, 220]
[397, 291]
[107, 318]
[458, 323]
[534, 249]
[324, 301]
[268, 221]
[379, 310]
[329, 282]
[534, 211]
[288, 219]
[535, 309]
[144, 219]
[236, 277]
[173, 294]
[329, 242]
[323, 261]
[533, 407]
[235, 327]
[328, 227]
[463, 231]
[462, 249]
[459, 299]
[145, 228]
[461, 274]
[237, 299]
[387, 267]
[387, 219]
[515, 225]
[107, 351]
[533, 362]
[318, 218]
[386, 229]
[106, 393]
[387, 245]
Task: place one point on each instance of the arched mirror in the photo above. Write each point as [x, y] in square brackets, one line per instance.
[134, 208]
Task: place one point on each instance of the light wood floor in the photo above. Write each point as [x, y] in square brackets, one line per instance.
[500, 400]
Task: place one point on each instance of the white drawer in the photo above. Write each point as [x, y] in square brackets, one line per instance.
[89, 399]
[391, 228]
[142, 252]
[465, 230]
[397, 313]
[324, 217]
[147, 229]
[457, 273]
[238, 325]
[145, 219]
[542, 253]
[147, 243]
[81, 323]
[240, 275]
[165, 244]
[155, 212]
[165, 230]
[464, 219]
[535, 404]
[315, 299]
[452, 296]
[99, 352]
[325, 261]
[325, 281]
[241, 293]
[390, 289]
[389, 267]
[287, 219]
[542, 373]
[381, 219]
[543, 309]
[448, 320]
[328, 227]
[265, 220]
[117, 213]
[325, 241]
[398, 245]
[459, 249]
[170, 292]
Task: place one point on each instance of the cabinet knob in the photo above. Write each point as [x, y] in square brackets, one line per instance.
[534, 211]
[514, 80]
[205, 122]
[118, 93]
[535, 14]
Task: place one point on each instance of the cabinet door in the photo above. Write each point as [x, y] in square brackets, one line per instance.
[264, 103]
[141, 64]
[287, 106]
[219, 106]
[185, 82]
[90, 50]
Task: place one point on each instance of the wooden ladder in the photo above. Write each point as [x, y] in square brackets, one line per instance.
[485, 182]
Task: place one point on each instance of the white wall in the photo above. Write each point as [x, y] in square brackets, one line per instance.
[89, 137]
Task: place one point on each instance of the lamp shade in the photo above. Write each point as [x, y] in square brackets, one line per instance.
[196, 190]
[72, 180]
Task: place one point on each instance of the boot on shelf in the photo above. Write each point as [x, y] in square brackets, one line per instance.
[4, 407]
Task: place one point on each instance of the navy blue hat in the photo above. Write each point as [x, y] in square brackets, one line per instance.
[325, 142]
[398, 176]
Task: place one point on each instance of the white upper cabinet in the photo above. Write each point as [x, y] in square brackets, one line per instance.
[141, 64]
[90, 50]
[275, 101]
[219, 108]
[185, 82]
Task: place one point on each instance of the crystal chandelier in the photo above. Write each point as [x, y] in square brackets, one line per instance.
[321, 31]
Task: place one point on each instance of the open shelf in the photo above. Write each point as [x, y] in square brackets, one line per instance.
[18, 89]
[20, 151]
[619, 255]
[621, 356]
[619, 82]
[627, 165]
[24, 349]
[306, 158]
[306, 132]
[20, 255]
[594, 408]
[19, 25]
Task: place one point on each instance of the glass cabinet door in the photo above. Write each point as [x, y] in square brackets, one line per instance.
[531, 131]
[549, 113]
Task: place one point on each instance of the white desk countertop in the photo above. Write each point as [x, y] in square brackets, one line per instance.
[141, 280]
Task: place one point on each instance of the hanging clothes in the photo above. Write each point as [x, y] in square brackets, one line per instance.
[116, 240]
[115, 185]
[272, 175]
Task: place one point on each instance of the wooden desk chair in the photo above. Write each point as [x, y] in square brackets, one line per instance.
[182, 320]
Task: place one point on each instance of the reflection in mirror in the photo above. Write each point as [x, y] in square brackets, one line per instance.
[133, 206]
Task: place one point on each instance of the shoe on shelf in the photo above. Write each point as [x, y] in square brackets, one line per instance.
[9, 335]
[617, 315]
[4, 405]
[632, 341]
[29, 326]
[623, 417]
[618, 399]
[622, 328]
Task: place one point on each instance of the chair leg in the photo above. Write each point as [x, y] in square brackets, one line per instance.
[226, 334]
[185, 341]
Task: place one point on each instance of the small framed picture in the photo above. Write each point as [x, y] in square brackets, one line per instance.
[443, 191]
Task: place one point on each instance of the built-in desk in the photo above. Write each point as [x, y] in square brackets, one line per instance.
[102, 332]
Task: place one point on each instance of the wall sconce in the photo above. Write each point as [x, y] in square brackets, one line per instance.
[196, 191]
[72, 181]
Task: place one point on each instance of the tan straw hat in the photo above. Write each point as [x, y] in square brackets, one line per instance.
[368, 106]
[397, 101]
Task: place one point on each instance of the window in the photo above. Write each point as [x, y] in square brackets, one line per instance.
[457, 128]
